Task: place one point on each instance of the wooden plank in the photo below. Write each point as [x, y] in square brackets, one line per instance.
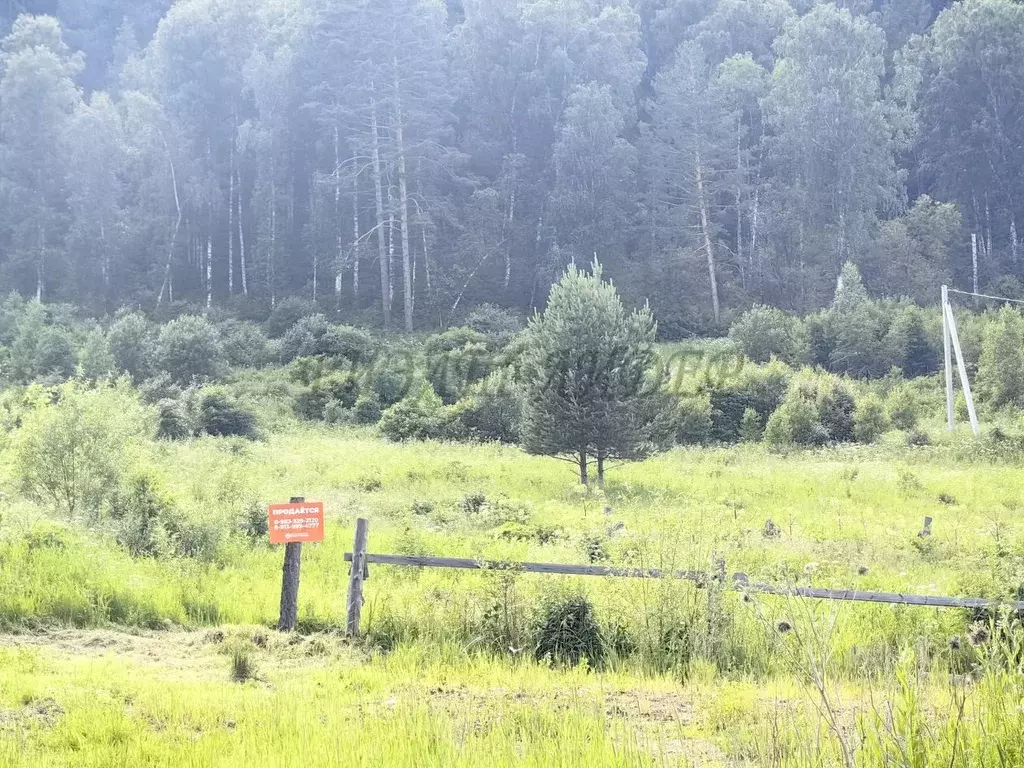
[497, 565]
[738, 581]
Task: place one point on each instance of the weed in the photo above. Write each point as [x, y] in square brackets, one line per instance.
[569, 632]
[243, 667]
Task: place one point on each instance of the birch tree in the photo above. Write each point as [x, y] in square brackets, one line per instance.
[38, 95]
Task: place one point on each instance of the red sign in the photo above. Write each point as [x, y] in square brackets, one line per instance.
[296, 523]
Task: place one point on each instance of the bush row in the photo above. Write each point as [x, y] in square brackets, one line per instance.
[856, 336]
[866, 338]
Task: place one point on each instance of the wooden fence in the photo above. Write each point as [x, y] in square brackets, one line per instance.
[361, 560]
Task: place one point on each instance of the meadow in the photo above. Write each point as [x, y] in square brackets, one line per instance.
[113, 659]
[139, 596]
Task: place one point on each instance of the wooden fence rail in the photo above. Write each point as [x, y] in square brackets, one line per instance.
[737, 581]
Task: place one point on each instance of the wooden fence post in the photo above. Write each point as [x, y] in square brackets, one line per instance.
[356, 576]
[290, 582]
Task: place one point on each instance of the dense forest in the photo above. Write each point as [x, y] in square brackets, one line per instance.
[401, 161]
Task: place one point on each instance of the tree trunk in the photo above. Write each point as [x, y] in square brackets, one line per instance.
[385, 273]
[537, 257]
[600, 469]
[426, 260]
[316, 213]
[241, 241]
[231, 219]
[391, 250]
[988, 232]
[753, 225]
[209, 260]
[209, 230]
[705, 226]
[581, 460]
[739, 201]
[106, 261]
[39, 263]
[974, 259]
[1013, 240]
[508, 237]
[403, 212]
[339, 256]
[355, 236]
[272, 256]
[841, 244]
[174, 233]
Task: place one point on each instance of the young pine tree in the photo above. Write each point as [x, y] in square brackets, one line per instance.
[586, 367]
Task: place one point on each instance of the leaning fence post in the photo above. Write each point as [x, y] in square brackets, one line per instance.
[356, 576]
[290, 581]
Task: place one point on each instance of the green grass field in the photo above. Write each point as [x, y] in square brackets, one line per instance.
[113, 660]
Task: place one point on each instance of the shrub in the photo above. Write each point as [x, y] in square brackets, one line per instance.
[336, 413]
[303, 338]
[314, 336]
[751, 428]
[172, 420]
[870, 419]
[389, 383]
[451, 366]
[902, 407]
[54, 355]
[343, 388]
[858, 350]
[286, 314]
[29, 328]
[836, 408]
[820, 337]
[847, 338]
[694, 420]
[1001, 367]
[347, 343]
[245, 345]
[492, 410]
[221, 415]
[131, 343]
[340, 388]
[189, 349]
[157, 388]
[818, 409]
[367, 410]
[11, 307]
[418, 417]
[795, 422]
[766, 332]
[96, 361]
[71, 453]
[908, 344]
[243, 667]
[254, 522]
[140, 514]
[917, 437]
[569, 632]
[498, 324]
[451, 340]
[759, 388]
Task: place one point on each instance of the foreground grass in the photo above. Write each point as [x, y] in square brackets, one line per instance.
[168, 699]
[313, 704]
[446, 675]
[847, 518]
